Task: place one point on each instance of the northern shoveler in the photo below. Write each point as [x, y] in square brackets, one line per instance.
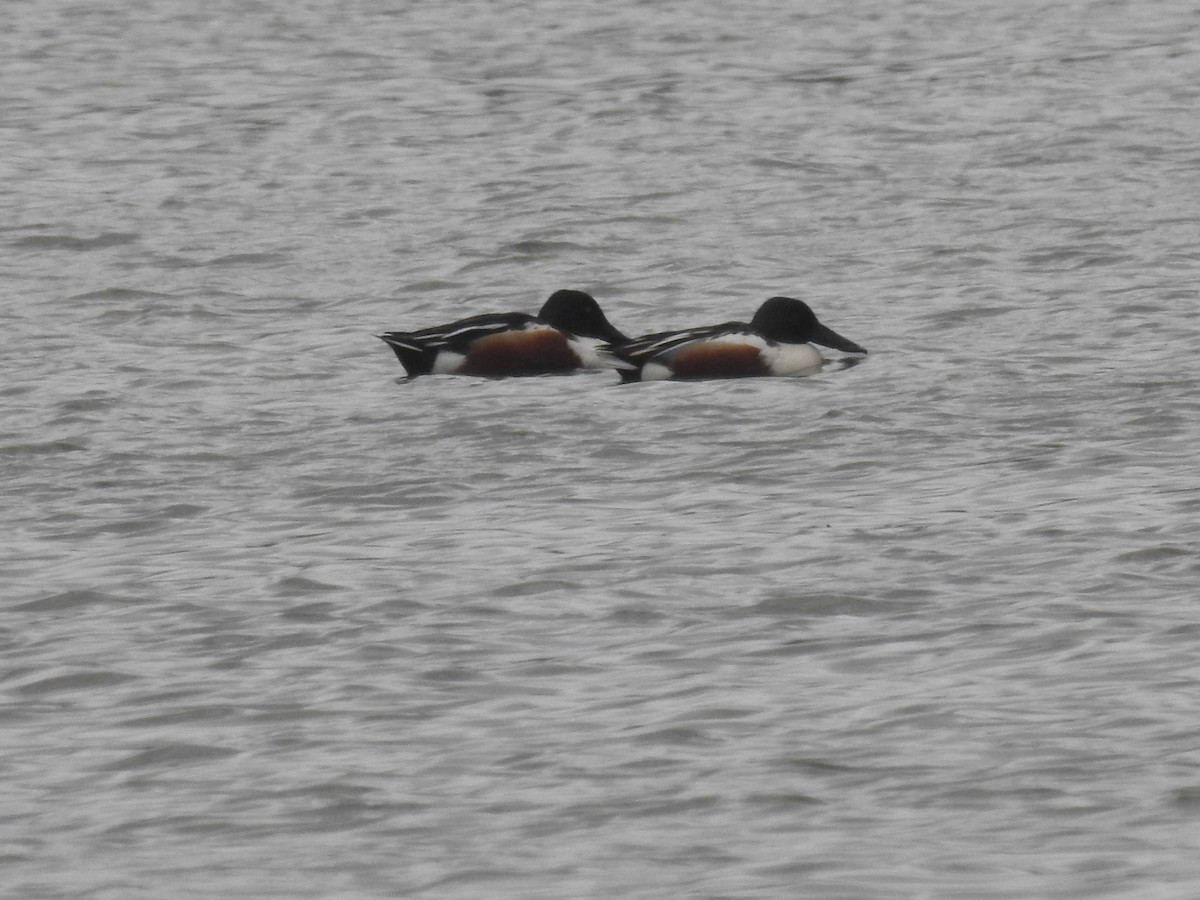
[777, 341]
[567, 334]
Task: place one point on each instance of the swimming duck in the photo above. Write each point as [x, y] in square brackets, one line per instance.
[777, 341]
[566, 335]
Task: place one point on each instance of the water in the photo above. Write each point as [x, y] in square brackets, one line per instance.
[279, 624]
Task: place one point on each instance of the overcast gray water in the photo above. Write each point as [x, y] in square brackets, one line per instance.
[280, 624]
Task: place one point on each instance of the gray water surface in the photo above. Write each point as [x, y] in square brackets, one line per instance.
[279, 623]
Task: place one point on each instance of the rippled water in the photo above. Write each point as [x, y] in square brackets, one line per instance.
[280, 624]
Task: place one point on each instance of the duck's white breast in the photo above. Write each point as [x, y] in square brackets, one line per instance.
[793, 359]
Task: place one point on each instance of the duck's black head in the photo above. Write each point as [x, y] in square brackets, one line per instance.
[791, 321]
[579, 313]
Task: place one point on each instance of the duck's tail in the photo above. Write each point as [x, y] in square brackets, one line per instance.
[414, 355]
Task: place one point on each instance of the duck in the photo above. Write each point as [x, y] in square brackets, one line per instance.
[568, 334]
[778, 340]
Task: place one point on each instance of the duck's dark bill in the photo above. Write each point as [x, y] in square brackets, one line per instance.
[827, 337]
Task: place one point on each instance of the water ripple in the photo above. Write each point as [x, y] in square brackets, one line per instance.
[282, 623]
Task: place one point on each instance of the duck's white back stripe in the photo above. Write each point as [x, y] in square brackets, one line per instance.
[399, 342]
[671, 341]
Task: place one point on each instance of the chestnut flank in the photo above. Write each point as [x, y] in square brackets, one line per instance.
[520, 353]
[718, 361]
